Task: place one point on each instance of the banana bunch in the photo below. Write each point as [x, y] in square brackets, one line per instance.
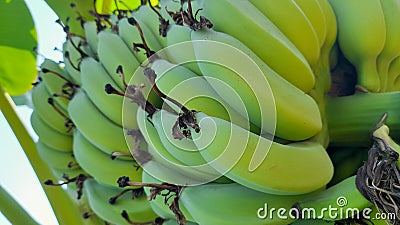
[189, 105]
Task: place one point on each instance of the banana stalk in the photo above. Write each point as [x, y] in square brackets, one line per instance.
[351, 118]
[13, 211]
[58, 198]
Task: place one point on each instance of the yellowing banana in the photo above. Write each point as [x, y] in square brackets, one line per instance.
[361, 36]
[391, 49]
[314, 13]
[268, 98]
[293, 22]
[266, 40]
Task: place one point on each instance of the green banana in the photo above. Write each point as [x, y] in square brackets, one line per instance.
[49, 136]
[98, 195]
[131, 35]
[180, 49]
[91, 30]
[235, 204]
[391, 49]
[338, 202]
[74, 51]
[256, 83]
[159, 202]
[94, 78]
[54, 83]
[167, 6]
[293, 22]
[150, 18]
[361, 37]
[54, 158]
[183, 158]
[113, 53]
[260, 163]
[266, 40]
[193, 91]
[89, 157]
[97, 128]
[49, 115]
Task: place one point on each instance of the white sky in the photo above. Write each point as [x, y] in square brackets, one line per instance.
[16, 174]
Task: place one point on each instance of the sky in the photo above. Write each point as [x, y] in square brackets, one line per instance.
[25, 187]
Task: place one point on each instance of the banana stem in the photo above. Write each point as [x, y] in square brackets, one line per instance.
[61, 203]
[13, 211]
[351, 119]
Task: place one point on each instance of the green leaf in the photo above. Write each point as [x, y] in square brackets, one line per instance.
[18, 38]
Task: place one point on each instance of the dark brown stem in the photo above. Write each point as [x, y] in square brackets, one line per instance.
[136, 193]
[148, 51]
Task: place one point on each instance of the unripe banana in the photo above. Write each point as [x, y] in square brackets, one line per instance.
[52, 118]
[266, 40]
[98, 129]
[54, 158]
[187, 160]
[361, 36]
[114, 53]
[94, 78]
[100, 165]
[259, 87]
[131, 35]
[150, 18]
[234, 204]
[54, 83]
[343, 196]
[180, 49]
[159, 202]
[90, 28]
[74, 50]
[193, 91]
[138, 208]
[260, 163]
[49, 136]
